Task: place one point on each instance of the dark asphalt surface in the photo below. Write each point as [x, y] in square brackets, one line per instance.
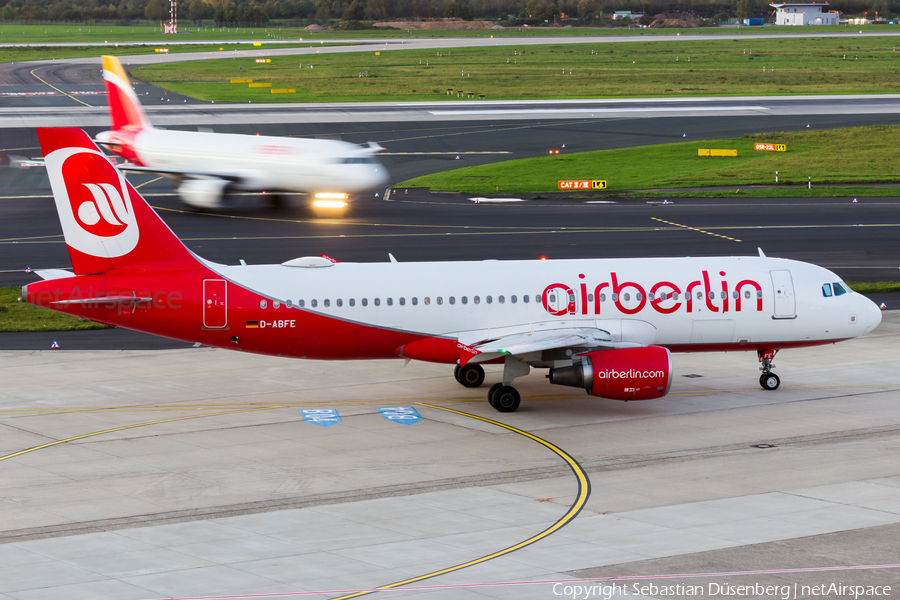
[859, 241]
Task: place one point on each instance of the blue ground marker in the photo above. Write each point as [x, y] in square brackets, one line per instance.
[406, 415]
[323, 417]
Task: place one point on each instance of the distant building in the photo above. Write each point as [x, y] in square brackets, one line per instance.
[804, 14]
[626, 14]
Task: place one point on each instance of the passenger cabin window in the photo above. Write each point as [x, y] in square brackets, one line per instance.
[501, 299]
[377, 301]
[525, 298]
[312, 303]
[427, 300]
[477, 299]
[326, 303]
[390, 301]
[452, 299]
[488, 299]
[465, 300]
[339, 302]
[512, 298]
[352, 302]
[402, 301]
[415, 301]
[826, 290]
[440, 300]
[301, 303]
[365, 301]
[537, 298]
[288, 303]
[839, 289]
[263, 303]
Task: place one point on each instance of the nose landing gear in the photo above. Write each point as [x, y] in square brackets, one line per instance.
[768, 380]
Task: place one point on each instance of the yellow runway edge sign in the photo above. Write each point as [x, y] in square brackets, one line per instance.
[596, 184]
[770, 147]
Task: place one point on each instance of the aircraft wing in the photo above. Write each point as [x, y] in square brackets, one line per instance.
[517, 344]
[181, 174]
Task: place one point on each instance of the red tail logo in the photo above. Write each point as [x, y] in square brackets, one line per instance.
[93, 202]
[98, 206]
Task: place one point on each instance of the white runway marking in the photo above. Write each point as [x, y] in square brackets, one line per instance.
[581, 111]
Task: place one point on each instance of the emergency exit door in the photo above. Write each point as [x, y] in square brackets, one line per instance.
[215, 303]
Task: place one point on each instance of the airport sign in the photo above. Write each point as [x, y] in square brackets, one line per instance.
[770, 147]
[582, 185]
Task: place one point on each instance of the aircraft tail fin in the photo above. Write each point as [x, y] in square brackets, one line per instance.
[106, 223]
[125, 110]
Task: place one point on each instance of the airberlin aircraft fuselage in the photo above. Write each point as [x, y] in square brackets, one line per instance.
[607, 326]
[352, 310]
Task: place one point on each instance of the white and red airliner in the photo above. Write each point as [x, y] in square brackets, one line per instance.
[607, 326]
[208, 166]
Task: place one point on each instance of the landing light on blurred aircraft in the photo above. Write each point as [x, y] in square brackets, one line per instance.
[330, 200]
[329, 204]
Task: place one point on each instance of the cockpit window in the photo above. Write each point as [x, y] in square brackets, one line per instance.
[826, 290]
[839, 289]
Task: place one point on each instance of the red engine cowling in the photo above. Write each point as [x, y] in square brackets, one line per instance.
[620, 374]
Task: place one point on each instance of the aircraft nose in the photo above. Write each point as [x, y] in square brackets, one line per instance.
[871, 315]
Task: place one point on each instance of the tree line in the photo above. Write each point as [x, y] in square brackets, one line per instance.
[224, 12]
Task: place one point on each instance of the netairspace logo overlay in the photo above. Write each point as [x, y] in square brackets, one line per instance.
[724, 590]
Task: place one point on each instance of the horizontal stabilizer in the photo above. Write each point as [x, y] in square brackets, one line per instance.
[53, 273]
[117, 300]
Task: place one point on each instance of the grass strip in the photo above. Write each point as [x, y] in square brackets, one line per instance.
[713, 67]
[21, 316]
[858, 155]
[874, 287]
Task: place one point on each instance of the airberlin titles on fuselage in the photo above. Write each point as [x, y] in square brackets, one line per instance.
[664, 297]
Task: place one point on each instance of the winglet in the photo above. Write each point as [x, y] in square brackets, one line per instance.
[125, 110]
[761, 253]
[391, 256]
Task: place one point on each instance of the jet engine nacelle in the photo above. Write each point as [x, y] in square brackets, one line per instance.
[620, 374]
[203, 193]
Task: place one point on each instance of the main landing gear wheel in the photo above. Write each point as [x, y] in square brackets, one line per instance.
[470, 376]
[506, 399]
[493, 392]
[769, 381]
[456, 372]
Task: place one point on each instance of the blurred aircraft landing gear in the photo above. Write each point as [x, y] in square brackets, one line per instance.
[275, 201]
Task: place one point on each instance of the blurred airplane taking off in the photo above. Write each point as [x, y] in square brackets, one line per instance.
[209, 165]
